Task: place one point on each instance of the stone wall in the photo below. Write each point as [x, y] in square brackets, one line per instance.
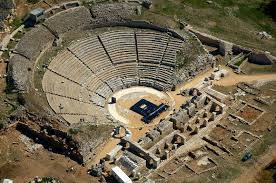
[58, 8]
[19, 72]
[91, 139]
[147, 25]
[113, 13]
[25, 54]
[52, 139]
[206, 39]
[261, 58]
[68, 20]
[34, 42]
[79, 144]
[256, 56]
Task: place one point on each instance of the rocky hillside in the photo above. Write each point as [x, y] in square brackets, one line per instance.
[6, 7]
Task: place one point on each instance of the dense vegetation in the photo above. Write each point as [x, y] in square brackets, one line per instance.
[270, 9]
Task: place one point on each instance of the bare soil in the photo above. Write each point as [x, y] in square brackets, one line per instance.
[251, 174]
[21, 164]
[249, 113]
[233, 79]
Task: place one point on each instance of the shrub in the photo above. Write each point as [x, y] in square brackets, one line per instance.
[32, 1]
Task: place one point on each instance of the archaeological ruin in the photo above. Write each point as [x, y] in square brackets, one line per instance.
[118, 93]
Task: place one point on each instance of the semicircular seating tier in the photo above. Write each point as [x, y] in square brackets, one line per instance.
[80, 78]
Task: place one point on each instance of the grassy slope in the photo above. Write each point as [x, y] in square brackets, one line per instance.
[234, 20]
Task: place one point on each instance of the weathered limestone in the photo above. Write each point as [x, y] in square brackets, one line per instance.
[20, 69]
[164, 127]
[153, 134]
[143, 141]
[212, 117]
[262, 58]
[68, 20]
[34, 42]
[152, 160]
[200, 101]
[225, 48]
[191, 110]
[131, 161]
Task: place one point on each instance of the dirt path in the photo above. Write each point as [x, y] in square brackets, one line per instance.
[233, 78]
[249, 175]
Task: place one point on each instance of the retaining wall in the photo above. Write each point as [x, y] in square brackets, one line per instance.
[256, 56]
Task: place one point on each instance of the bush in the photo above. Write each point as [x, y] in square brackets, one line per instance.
[270, 8]
[2, 125]
[73, 131]
[16, 23]
[21, 100]
[32, 1]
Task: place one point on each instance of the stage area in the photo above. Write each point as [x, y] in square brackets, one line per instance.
[148, 110]
[130, 100]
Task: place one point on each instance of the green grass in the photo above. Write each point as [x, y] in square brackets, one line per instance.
[259, 69]
[267, 140]
[16, 23]
[217, 29]
[5, 108]
[11, 44]
[188, 53]
[239, 62]
[237, 21]
[5, 55]
[224, 89]
[182, 60]
[2, 125]
[19, 35]
[169, 8]
[227, 173]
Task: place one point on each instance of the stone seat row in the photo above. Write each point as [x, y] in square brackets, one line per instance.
[66, 105]
[91, 69]
[92, 53]
[169, 57]
[61, 86]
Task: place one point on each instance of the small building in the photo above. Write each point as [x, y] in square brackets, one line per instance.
[120, 175]
[34, 16]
